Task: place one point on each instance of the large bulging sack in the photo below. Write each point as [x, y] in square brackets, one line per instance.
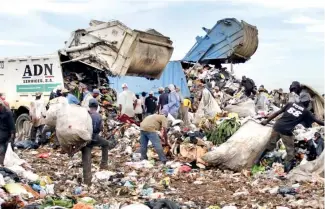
[55, 106]
[243, 109]
[73, 128]
[241, 149]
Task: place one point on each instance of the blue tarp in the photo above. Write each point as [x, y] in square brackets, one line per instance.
[172, 74]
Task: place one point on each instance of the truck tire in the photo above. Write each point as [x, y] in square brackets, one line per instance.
[20, 122]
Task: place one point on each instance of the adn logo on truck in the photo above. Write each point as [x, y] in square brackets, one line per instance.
[38, 71]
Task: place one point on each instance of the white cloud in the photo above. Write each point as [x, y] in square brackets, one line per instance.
[17, 43]
[303, 20]
[320, 28]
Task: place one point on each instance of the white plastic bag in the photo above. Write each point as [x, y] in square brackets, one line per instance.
[73, 128]
[208, 110]
[11, 158]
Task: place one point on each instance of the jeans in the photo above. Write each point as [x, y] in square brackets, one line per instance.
[154, 138]
[288, 142]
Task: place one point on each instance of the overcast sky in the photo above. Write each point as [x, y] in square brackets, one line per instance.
[291, 32]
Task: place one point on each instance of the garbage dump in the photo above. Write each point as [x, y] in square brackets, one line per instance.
[216, 160]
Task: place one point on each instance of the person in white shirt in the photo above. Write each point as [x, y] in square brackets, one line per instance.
[126, 101]
[37, 114]
[138, 108]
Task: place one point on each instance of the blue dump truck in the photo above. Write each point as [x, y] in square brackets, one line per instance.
[229, 41]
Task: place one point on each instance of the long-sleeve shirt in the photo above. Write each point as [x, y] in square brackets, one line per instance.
[173, 103]
[96, 121]
[7, 125]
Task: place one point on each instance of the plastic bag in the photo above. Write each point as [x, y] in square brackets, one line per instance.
[11, 158]
[73, 128]
[208, 110]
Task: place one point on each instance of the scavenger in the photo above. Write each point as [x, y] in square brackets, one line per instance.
[149, 127]
[127, 101]
[151, 104]
[249, 86]
[7, 130]
[293, 114]
[37, 113]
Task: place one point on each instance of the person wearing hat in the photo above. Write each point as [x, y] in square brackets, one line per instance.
[37, 113]
[163, 99]
[97, 140]
[293, 114]
[148, 130]
[7, 130]
[295, 89]
[174, 102]
[96, 95]
[72, 99]
[126, 101]
[151, 104]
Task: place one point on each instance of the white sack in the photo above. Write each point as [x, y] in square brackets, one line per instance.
[208, 108]
[73, 128]
[241, 149]
[243, 109]
[55, 106]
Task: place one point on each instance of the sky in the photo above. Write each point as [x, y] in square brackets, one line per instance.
[290, 32]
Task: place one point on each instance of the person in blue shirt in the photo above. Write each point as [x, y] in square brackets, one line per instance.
[97, 140]
[173, 101]
[72, 99]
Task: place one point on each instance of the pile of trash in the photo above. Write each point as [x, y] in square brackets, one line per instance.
[184, 182]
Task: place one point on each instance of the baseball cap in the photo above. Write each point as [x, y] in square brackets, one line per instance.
[96, 91]
[124, 85]
[93, 103]
[151, 92]
[59, 88]
[161, 89]
[304, 97]
[38, 94]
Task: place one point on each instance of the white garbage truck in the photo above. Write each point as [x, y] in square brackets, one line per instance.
[105, 48]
